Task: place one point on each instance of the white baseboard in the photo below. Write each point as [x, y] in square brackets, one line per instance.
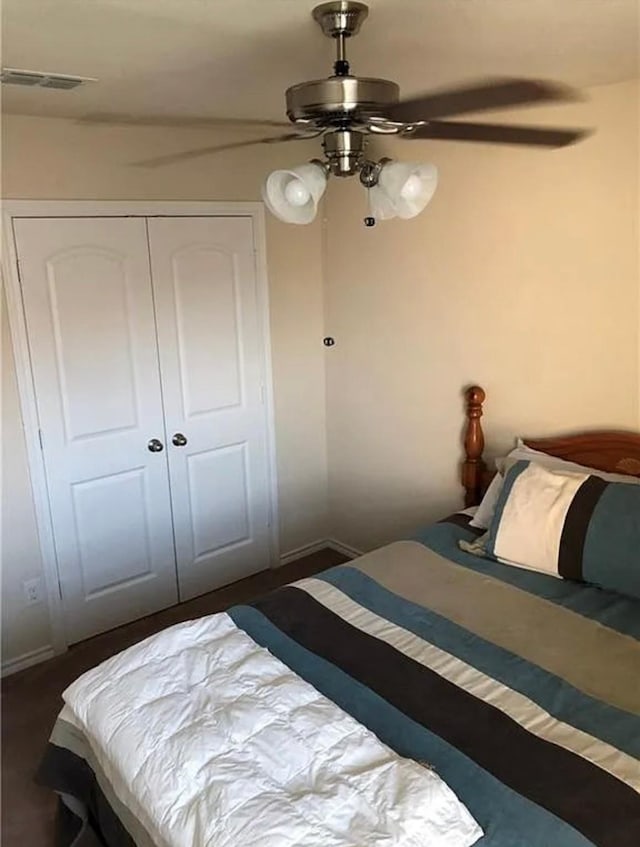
[301, 552]
[34, 657]
[316, 547]
[345, 549]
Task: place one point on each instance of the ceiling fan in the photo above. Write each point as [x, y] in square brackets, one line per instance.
[345, 110]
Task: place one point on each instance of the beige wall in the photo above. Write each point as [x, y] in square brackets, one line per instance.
[53, 159]
[522, 276]
[23, 628]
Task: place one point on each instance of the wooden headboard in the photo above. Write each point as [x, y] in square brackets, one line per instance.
[607, 450]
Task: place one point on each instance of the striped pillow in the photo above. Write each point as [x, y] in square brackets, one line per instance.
[569, 525]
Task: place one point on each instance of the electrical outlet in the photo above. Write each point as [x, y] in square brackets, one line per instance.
[32, 591]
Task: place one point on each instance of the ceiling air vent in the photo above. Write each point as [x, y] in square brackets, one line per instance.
[39, 79]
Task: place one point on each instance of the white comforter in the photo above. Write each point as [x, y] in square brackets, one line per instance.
[208, 739]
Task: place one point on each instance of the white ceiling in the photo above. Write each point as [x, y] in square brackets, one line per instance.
[234, 58]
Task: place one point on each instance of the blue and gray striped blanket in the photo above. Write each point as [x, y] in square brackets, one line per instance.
[523, 691]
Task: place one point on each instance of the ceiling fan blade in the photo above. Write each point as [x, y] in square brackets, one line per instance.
[498, 134]
[176, 121]
[171, 159]
[492, 94]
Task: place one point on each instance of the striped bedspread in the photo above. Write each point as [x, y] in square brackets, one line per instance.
[523, 691]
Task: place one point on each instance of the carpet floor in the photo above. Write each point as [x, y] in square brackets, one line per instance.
[31, 699]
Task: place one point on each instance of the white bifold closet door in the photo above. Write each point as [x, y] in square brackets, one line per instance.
[148, 364]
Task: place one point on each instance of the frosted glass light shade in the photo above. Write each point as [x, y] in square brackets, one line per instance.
[293, 195]
[382, 208]
[404, 189]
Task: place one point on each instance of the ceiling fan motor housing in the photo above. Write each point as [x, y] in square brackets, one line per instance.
[327, 101]
[342, 98]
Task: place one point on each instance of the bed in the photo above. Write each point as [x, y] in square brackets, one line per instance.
[521, 691]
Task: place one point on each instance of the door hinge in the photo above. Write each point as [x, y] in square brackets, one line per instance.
[40, 439]
[18, 269]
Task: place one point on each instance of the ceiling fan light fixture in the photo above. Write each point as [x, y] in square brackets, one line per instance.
[404, 187]
[293, 195]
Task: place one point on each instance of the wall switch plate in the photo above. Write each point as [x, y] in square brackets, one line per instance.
[32, 591]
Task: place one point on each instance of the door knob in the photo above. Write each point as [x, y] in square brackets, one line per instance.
[179, 440]
[155, 445]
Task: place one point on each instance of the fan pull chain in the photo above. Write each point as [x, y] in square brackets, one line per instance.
[369, 219]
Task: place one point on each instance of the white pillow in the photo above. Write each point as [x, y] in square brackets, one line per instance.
[522, 452]
[482, 518]
[487, 507]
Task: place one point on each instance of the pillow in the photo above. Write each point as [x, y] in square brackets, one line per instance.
[522, 452]
[482, 518]
[570, 525]
[484, 513]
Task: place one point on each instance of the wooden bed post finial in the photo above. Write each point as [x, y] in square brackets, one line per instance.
[473, 465]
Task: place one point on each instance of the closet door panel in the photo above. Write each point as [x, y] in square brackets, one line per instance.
[207, 313]
[212, 360]
[89, 310]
